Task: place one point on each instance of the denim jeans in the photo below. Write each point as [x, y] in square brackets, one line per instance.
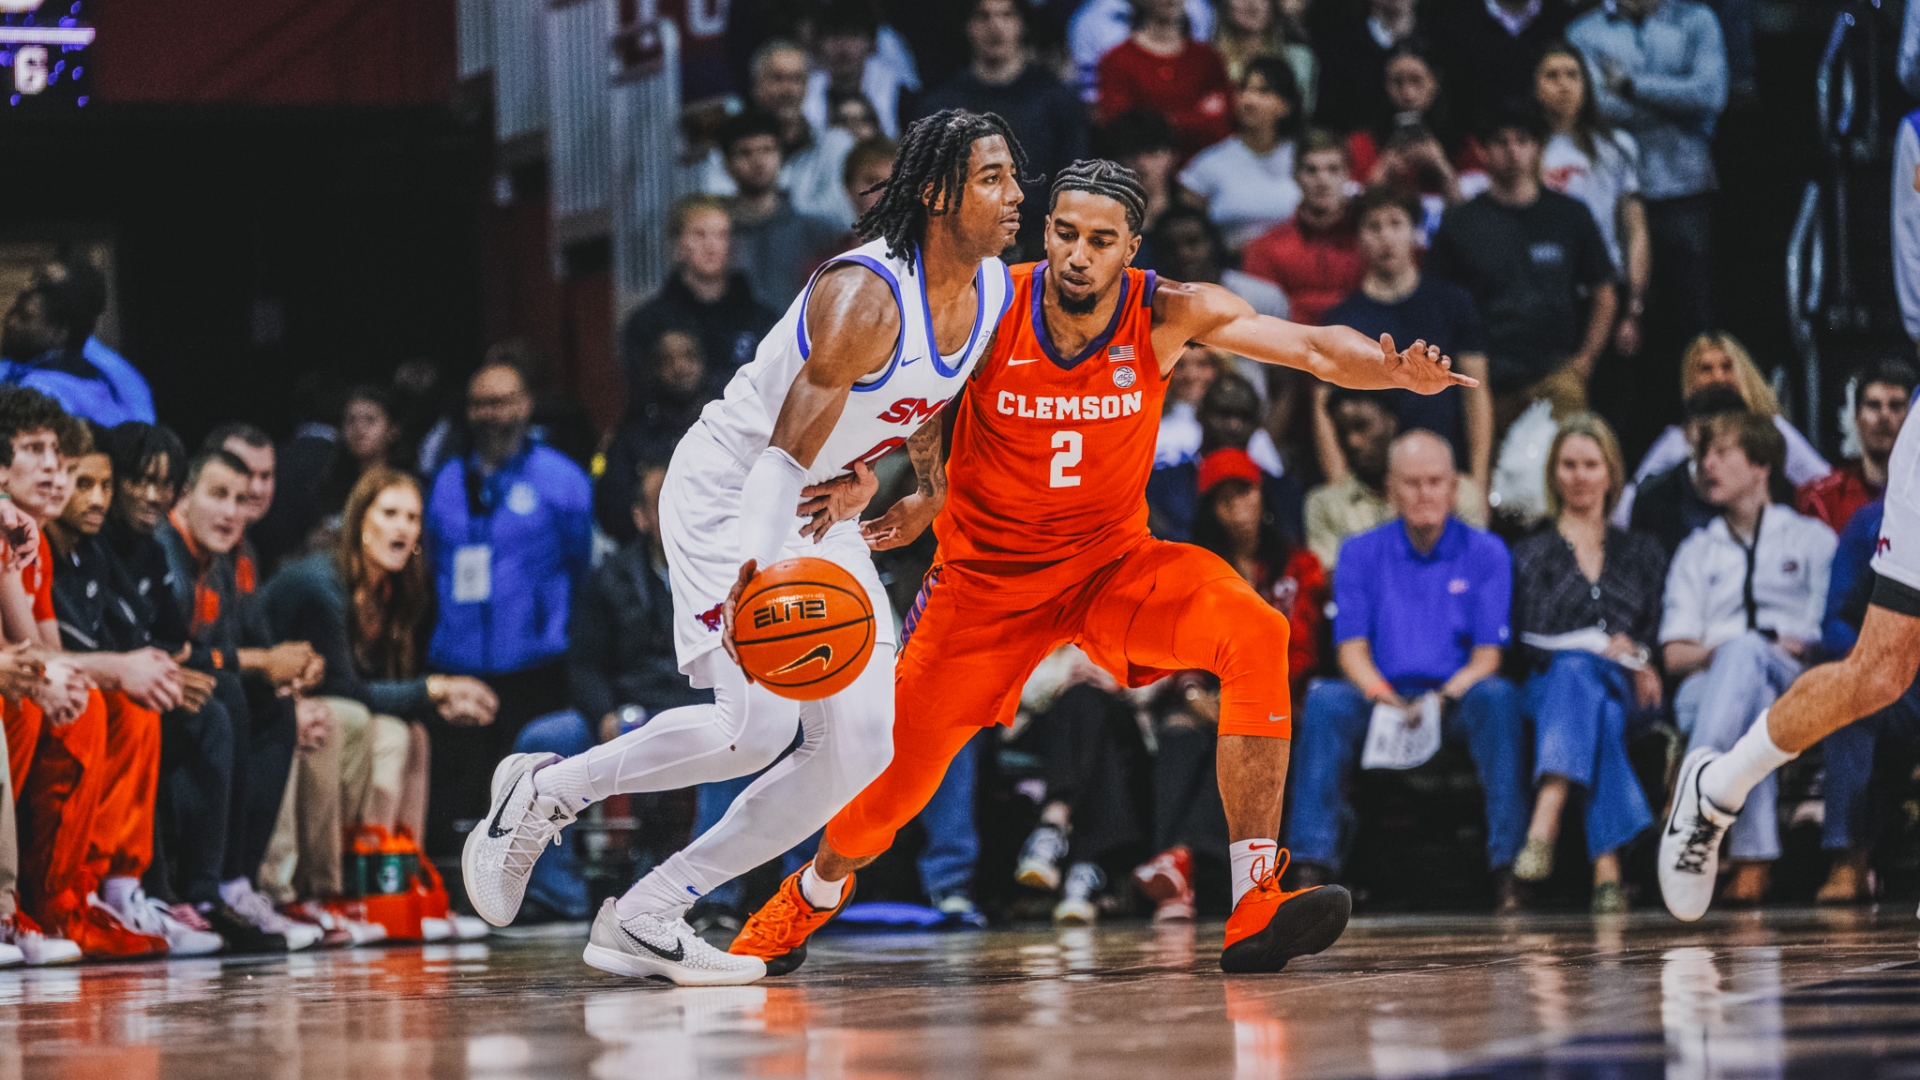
[1849, 753]
[558, 883]
[1579, 707]
[1717, 706]
[1327, 746]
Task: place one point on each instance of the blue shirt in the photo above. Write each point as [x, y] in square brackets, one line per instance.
[1850, 582]
[96, 383]
[1423, 615]
[508, 551]
[1678, 64]
[1440, 313]
[129, 386]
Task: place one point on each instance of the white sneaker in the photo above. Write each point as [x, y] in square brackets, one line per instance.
[435, 929]
[150, 916]
[1076, 907]
[650, 945]
[1040, 858]
[38, 948]
[1690, 845]
[500, 851]
[258, 910]
[11, 956]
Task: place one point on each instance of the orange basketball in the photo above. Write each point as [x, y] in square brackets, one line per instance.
[804, 629]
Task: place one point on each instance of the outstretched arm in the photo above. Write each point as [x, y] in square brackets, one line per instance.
[1213, 316]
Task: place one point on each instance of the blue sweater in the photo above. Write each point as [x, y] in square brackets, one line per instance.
[520, 541]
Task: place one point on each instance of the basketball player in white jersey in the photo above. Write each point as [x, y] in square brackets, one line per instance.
[1713, 786]
[881, 338]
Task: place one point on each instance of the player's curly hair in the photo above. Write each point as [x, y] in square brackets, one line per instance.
[1101, 177]
[24, 410]
[930, 176]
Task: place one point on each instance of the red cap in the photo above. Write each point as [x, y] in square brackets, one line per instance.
[1227, 464]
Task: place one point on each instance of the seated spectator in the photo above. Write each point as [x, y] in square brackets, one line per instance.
[1421, 608]
[811, 155]
[1249, 29]
[1353, 42]
[1718, 359]
[1188, 817]
[1233, 523]
[773, 242]
[851, 67]
[1581, 576]
[1142, 141]
[869, 165]
[1669, 506]
[1188, 248]
[89, 287]
[1314, 258]
[704, 295]
[857, 117]
[1396, 298]
[673, 388]
[303, 465]
[1100, 26]
[1160, 69]
[1743, 605]
[1418, 146]
[44, 346]
[1492, 49]
[1229, 416]
[369, 440]
[1848, 827]
[1341, 509]
[1537, 269]
[1599, 164]
[1245, 181]
[1881, 396]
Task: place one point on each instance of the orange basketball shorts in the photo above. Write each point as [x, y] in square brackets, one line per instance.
[1158, 609]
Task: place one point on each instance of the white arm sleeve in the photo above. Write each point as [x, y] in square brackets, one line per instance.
[769, 500]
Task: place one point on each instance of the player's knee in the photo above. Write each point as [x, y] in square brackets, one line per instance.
[1248, 633]
[756, 742]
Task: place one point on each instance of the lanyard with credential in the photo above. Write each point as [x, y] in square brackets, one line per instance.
[1746, 587]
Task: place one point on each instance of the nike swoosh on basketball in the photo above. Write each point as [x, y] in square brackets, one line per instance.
[678, 954]
[822, 652]
[1017, 363]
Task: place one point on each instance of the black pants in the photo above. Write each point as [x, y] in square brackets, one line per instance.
[1187, 811]
[463, 757]
[1642, 392]
[263, 757]
[1094, 756]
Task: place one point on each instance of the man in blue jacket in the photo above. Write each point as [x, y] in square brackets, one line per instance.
[509, 533]
[49, 345]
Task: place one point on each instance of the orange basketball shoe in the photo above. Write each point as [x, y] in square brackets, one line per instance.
[1269, 927]
[778, 932]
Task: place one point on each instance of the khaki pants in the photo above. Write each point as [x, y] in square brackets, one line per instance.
[9, 838]
[359, 776]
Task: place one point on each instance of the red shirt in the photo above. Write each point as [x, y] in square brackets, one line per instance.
[1837, 496]
[1191, 90]
[1316, 268]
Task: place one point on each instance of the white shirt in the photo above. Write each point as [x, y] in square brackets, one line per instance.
[1706, 584]
[812, 178]
[1601, 181]
[1516, 23]
[1906, 216]
[1246, 193]
[1100, 25]
[889, 70]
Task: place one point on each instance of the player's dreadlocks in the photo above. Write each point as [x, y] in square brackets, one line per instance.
[1102, 177]
[930, 175]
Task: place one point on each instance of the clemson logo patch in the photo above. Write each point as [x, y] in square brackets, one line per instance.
[1123, 377]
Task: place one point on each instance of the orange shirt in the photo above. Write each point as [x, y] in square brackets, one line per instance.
[1048, 475]
[38, 579]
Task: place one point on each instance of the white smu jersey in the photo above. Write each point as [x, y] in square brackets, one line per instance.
[883, 409]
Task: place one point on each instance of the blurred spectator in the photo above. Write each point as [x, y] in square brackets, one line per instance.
[1744, 601]
[1906, 198]
[1598, 164]
[704, 295]
[1314, 258]
[1002, 76]
[1421, 608]
[1229, 416]
[1188, 248]
[1143, 142]
[1100, 26]
[1188, 817]
[1537, 269]
[673, 388]
[47, 343]
[303, 466]
[1245, 181]
[1254, 28]
[254, 447]
[1341, 509]
[1233, 522]
[1661, 75]
[1353, 60]
[1396, 298]
[508, 535]
[1192, 375]
[810, 155]
[1491, 48]
[1668, 506]
[855, 116]
[369, 440]
[773, 244]
[1881, 397]
[1583, 578]
[851, 66]
[1160, 69]
[1418, 144]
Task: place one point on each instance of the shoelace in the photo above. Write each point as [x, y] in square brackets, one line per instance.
[535, 831]
[777, 918]
[1693, 856]
[1269, 883]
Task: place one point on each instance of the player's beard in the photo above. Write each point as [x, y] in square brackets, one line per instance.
[1078, 307]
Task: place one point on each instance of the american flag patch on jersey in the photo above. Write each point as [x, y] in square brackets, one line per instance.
[1120, 354]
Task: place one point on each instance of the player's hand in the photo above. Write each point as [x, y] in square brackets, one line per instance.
[195, 688]
[1421, 368]
[747, 570]
[901, 525]
[151, 679]
[22, 673]
[21, 536]
[837, 500]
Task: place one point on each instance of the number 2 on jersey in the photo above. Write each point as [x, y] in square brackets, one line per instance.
[1068, 443]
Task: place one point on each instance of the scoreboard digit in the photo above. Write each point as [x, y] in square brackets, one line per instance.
[44, 52]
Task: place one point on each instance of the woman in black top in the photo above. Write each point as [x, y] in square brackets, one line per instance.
[1581, 576]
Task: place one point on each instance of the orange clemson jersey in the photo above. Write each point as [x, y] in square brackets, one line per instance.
[1048, 474]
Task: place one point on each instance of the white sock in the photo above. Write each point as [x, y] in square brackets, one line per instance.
[564, 780]
[1252, 861]
[1727, 779]
[824, 895]
[118, 892]
[667, 892]
[232, 892]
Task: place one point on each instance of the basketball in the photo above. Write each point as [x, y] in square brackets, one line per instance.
[804, 629]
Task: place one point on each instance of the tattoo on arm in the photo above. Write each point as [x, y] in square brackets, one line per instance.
[926, 450]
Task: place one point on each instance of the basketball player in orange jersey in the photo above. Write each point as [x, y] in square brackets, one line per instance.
[1042, 519]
